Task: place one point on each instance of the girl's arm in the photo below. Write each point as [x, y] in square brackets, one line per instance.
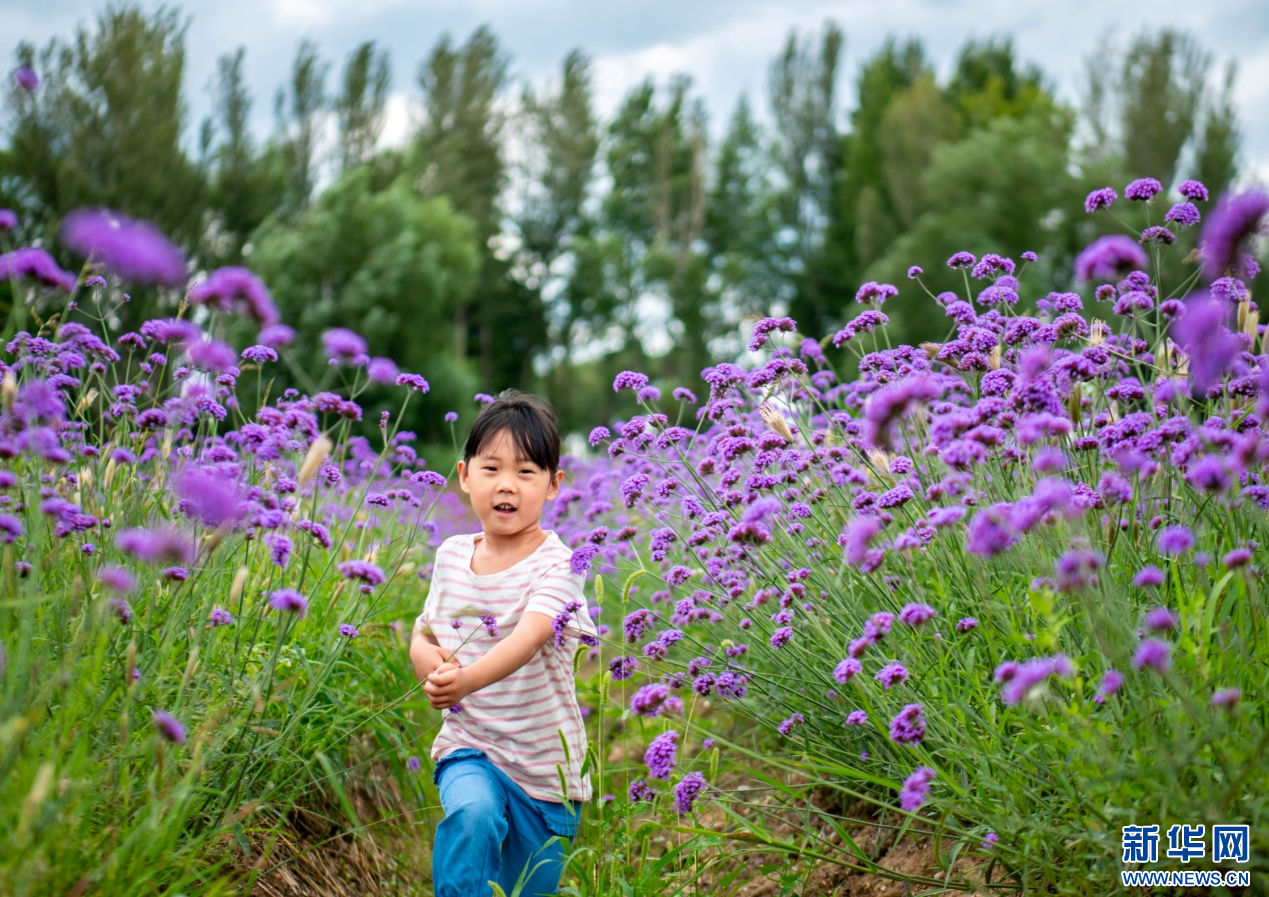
[451, 685]
[425, 654]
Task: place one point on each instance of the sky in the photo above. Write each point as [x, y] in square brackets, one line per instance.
[725, 45]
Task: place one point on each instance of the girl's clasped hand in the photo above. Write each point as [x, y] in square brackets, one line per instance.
[446, 687]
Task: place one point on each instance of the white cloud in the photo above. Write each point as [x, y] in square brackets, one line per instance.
[725, 45]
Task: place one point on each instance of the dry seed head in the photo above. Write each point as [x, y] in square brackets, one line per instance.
[1074, 404]
[9, 390]
[87, 399]
[993, 360]
[317, 453]
[1180, 359]
[239, 583]
[35, 798]
[775, 420]
[931, 350]
[1248, 318]
[880, 460]
[192, 666]
[1097, 332]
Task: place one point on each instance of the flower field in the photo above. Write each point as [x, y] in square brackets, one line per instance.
[1006, 590]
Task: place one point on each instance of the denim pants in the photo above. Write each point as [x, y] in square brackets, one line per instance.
[492, 830]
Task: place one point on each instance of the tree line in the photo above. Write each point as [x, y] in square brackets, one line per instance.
[517, 238]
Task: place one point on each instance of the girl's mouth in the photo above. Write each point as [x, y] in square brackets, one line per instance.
[507, 512]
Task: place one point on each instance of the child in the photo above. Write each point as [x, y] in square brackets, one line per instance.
[495, 644]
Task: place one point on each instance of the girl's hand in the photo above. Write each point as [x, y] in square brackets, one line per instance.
[447, 686]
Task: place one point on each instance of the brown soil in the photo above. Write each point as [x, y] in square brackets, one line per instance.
[831, 873]
[314, 854]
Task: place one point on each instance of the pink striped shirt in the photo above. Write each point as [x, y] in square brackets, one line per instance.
[518, 721]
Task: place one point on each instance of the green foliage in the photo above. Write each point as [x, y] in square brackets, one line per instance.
[360, 105]
[298, 107]
[994, 190]
[244, 187]
[394, 267]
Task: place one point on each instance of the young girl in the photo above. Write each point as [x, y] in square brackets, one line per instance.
[495, 644]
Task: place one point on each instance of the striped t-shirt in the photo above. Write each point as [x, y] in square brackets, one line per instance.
[518, 720]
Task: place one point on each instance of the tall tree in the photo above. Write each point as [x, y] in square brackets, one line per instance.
[550, 220]
[561, 130]
[298, 107]
[243, 188]
[989, 82]
[740, 231]
[654, 212]
[385, 262]
[1142, 114]
[106, 125]
[805, 147]
[917, 119]
[457, 152]
[1164, 78]
[361, 103]
[863, 219]
[1216, 145]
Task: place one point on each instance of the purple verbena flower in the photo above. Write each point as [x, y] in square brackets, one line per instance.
[363, 570]
[342, 344]
[915, 613]
[1152, 653]
[288, 601]
[847, 669]
[236, 289]
[1142, 189]
[629, 380]
[221, 617]
[415, 382]
[1111, 681]
[892, 674]
[660, 755]
[33, 263]
[1235, 218]
[135, 250]
[915, 788]
[1101, 198]
[908, 725]
[116, 579]
[1202, 334]
[687, 792]
[1174, 540]
[1226, 697]
[1109, 258]
[169, 726]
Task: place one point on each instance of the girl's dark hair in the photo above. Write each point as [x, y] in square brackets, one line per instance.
[531, 421]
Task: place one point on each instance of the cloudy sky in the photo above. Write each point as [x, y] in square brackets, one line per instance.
[725, 45]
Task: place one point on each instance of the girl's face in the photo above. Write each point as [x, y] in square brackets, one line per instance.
[498, 479]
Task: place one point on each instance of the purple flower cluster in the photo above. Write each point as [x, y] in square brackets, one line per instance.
[915, 788]
[660, 755]
[1018, 679]
[908, 725]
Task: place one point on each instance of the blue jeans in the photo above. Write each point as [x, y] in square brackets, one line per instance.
[492, 830]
